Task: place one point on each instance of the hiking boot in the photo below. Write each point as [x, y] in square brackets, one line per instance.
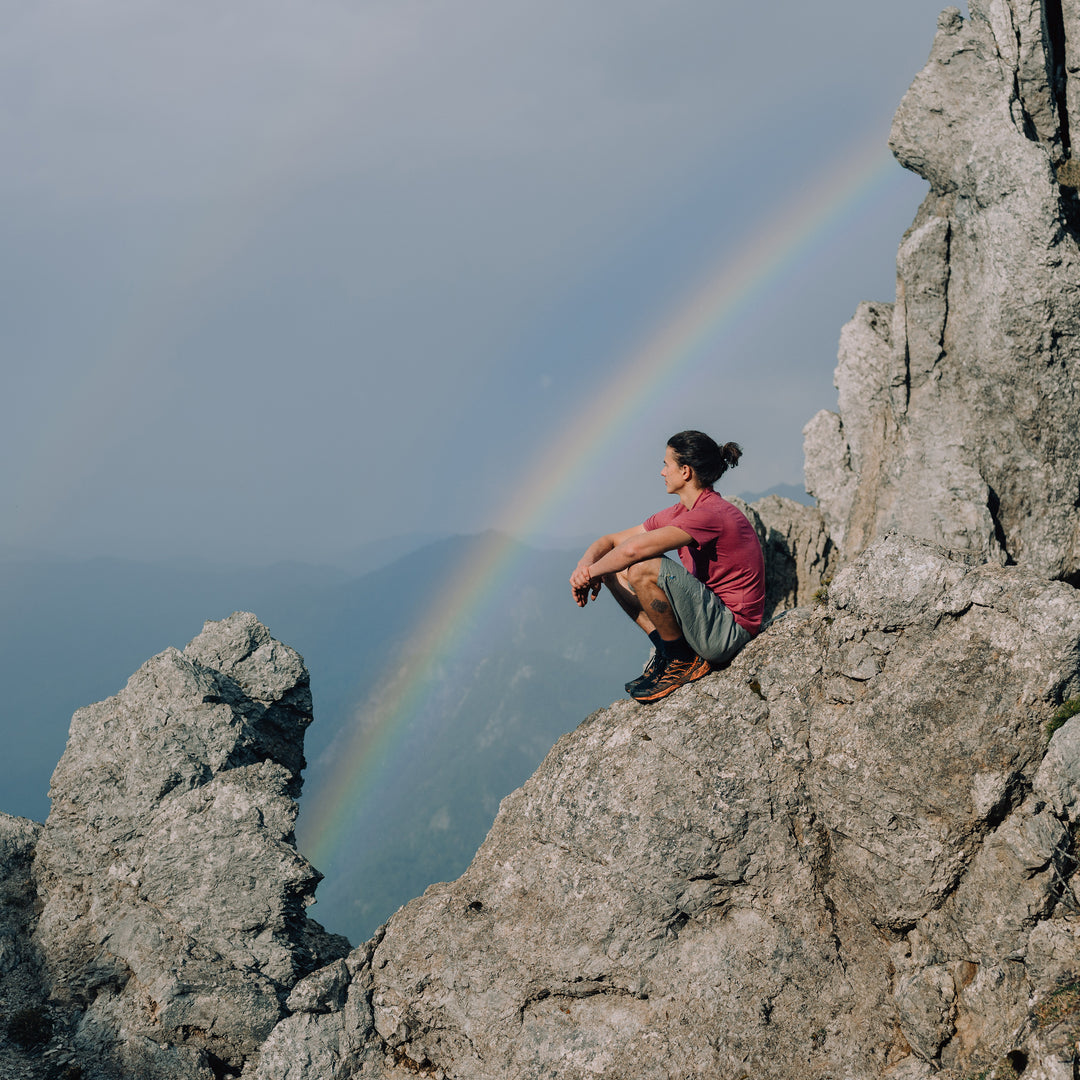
[675, 673]
[653, 666]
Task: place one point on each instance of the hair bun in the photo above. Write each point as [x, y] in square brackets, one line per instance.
[701, 453]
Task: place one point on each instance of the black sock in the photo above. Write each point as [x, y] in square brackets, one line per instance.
[678, 650]
[658, 642]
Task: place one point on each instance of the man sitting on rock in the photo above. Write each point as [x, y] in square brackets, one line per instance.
[698, 615]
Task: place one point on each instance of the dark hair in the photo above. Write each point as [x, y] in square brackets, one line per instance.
[709, 461]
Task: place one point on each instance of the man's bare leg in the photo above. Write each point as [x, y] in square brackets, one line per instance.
[641, 596]
[651, 599]
[679, 664]
[626, 598]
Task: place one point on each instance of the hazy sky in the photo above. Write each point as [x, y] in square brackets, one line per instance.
[282, 277]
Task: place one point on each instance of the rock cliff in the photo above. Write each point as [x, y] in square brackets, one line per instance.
[958, 402]
[849, 854]
[171, 927]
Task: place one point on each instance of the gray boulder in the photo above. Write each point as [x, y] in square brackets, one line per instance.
[958, 403]
[173, 895]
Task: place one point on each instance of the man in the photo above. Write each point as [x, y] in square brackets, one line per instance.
[699, 612]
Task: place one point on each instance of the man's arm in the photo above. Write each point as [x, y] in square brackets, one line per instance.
[638, 546]
[617, 551]
[599, 548]
[581, 581]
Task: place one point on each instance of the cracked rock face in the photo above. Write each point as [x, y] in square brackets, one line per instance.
[958, 403]
[799, 553]
[844, 855]
[17, 839]
[173, 892]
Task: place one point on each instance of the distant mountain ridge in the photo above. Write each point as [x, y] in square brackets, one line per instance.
[530, 675]
[794, 492]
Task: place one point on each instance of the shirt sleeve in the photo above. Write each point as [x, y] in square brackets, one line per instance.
[661, 518]
[702, 524]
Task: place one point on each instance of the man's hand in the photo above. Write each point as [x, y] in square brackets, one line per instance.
[582, 585]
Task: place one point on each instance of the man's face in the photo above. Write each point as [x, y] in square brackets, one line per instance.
[673, 473]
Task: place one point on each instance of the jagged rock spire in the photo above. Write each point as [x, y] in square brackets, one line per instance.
[959, 403]
[173, 894]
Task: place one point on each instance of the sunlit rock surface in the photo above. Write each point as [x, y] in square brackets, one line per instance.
[958, 404]
[831, 859]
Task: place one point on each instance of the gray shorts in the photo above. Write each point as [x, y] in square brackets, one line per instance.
[705, 620]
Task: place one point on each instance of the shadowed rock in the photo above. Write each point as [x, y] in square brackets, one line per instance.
[800, 557]
[173, 892]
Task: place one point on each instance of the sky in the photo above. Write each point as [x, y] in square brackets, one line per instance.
[282, 278]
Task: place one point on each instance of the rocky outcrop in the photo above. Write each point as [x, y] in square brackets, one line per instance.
[24, 1016]
[958, 403]
[850, 853]
[800, 557]
[18, 837]
[173, 895]
[845, 855]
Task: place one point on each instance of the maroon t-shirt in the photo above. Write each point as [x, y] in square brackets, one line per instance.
[725, 553]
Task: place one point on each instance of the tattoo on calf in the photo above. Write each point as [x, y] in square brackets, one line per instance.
[662, 607]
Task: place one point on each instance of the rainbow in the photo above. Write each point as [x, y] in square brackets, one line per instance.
[770, 251]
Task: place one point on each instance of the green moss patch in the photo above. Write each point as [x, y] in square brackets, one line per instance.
[1062, 1003]
[1064, 712]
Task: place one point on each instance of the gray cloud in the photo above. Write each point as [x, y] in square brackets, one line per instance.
[320, 256]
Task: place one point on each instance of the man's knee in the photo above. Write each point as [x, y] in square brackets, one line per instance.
[644, 572]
